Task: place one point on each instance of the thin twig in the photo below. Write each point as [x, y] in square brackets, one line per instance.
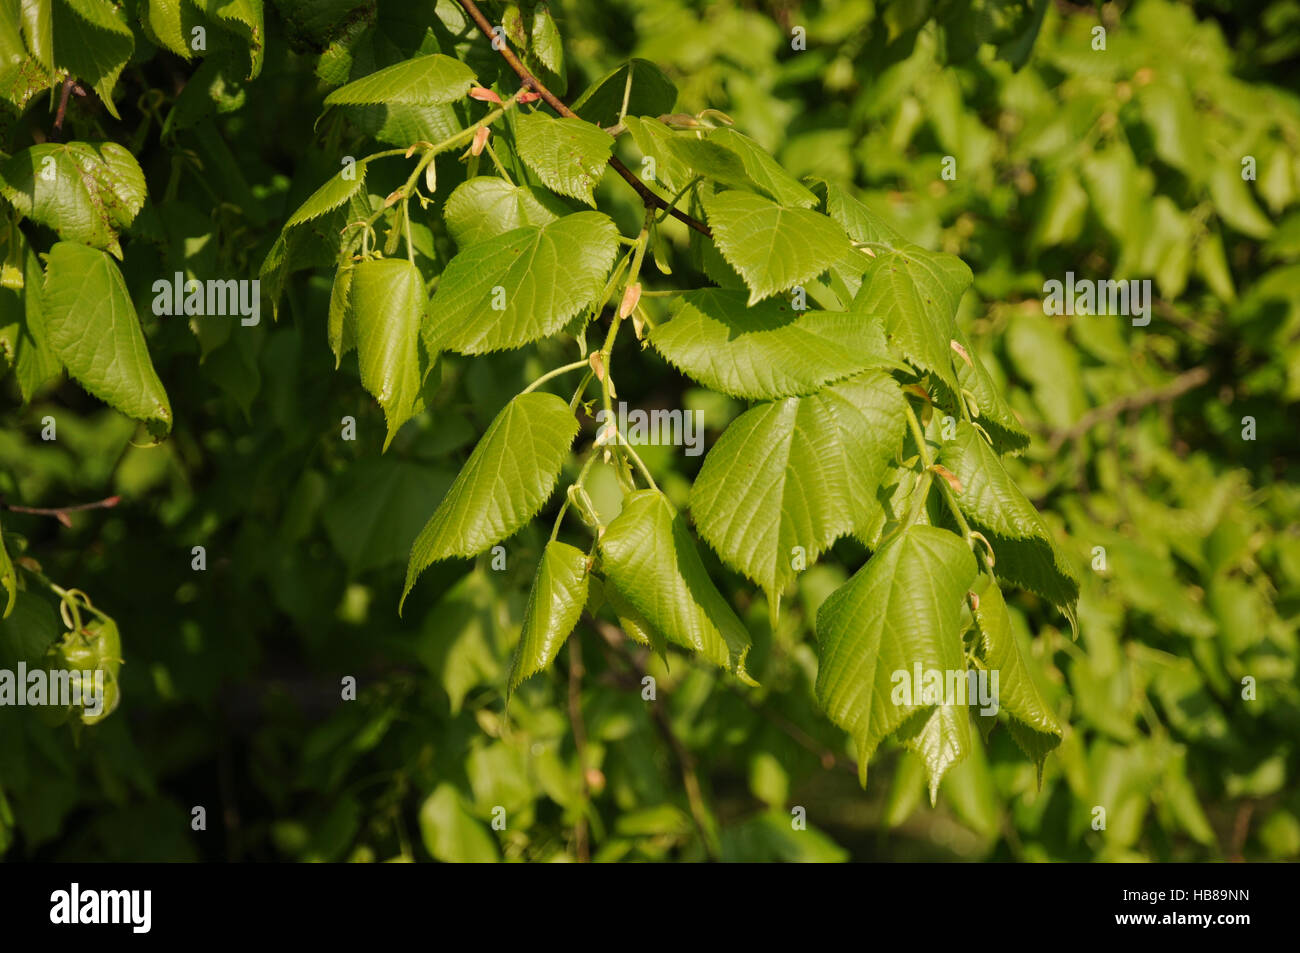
[60, 513]
[68, 83]
[648, 197]
[1188, 380]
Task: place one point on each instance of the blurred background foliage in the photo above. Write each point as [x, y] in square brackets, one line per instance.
[1117, 163]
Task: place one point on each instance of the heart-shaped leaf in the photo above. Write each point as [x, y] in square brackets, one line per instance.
[506, 480]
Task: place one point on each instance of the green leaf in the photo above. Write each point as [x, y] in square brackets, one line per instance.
[8, 577]
[24, 338]
[38, 30]
[652, 93]
[654, 139]
[87, 192]
[773, 248]
[761, 172]
[801, 472]
[451, 833]
[341, 329]
[27, 631]
[508, 477]
[861, 224]
[917, 292]
[168, 23]
[1026, 554]
[1039, 730]
[387, 303]
[633, 624]
[21, 76]
[485, 207]
[902, 609]
[941, 736]
[649, 555]
[554, 604]
[547, 50]
[545, 275]
[337, 190]
[93, 42]
[569, 155]
[424, 80]
[244, 19]
[767, 351]
[93, 329]
[995, 414]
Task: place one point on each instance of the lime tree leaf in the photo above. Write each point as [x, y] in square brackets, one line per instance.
[631, 621]
[902, 609]
[504, 483]
[762, 170]
[21, 76]
[244, 19]
[87, 192]
[654, 140]
[93, 42]
[546, 49]
[768, 351]
[28, 631]
[338, 189]
[424, 80]
[651, 94]
[569, 155]
[995, 414]
[1038, 731]
[486, 206]
[168, 23]
[738, 162]
[554, 604]
[773, 248]
[386, 304]
[650, 557]
[916, 292]
[24, 340]
[94, 330]
[800, 472]
[341, 331]
[941, 736]
[861, 224]
[702, 157]
[8, 577]
[451, 833]
[38, 31]
[1025, 553]
[521, 286]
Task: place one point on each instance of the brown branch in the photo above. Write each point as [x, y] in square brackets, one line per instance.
[63, 105]
[1188, 380]
[648, 197]
[60, 513]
